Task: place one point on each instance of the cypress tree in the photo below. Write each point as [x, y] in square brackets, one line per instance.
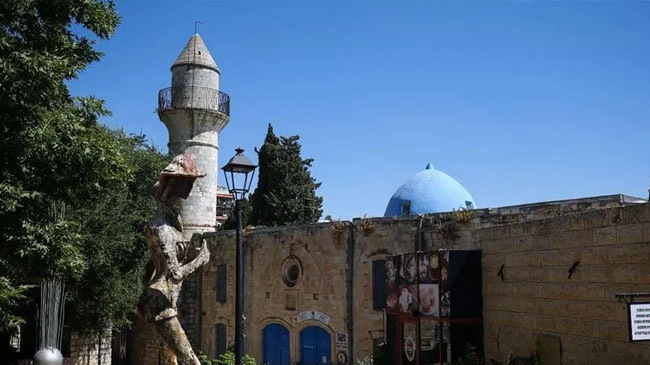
[286, 191]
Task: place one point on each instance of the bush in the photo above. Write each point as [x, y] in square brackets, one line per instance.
[226, 359]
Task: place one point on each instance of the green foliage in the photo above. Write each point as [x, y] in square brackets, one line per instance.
[204, 359]
[463, 215]
[115, 245]
[10, 297]
[226, 359]
[55, 153]
[231, 221]
[286, 192]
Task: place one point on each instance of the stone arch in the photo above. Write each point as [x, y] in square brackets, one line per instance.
[262, 325]
[212, 336]
[295, 336]
[274, 320]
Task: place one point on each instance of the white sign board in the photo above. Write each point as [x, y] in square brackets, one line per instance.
[342, 341]
[639, 321]
[313, 315]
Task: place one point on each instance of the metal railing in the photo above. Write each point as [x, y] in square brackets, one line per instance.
[193, 97]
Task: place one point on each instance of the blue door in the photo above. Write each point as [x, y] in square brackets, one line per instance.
[276, 345]
[315, 346]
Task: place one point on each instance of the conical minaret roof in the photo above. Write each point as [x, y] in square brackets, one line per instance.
[196, 53]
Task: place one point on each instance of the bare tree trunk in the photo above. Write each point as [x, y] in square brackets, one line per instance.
[178, 349]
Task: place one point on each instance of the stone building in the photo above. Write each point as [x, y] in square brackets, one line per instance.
[319, 279]
[313, 293]
[225, 204]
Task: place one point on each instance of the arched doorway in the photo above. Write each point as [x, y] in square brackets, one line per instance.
[275, 342]
[315, 346]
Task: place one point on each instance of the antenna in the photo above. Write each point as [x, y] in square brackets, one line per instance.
[196, 26]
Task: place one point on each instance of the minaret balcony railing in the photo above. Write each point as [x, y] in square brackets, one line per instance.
[193, 97]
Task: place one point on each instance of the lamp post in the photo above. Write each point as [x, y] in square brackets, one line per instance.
[239, 183]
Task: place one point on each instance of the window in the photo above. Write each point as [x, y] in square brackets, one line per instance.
[406, 208]
[219, 339]
[291, 271]
[222, 284]
[379, 284]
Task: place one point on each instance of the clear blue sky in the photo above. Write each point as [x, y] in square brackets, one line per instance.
[520, 101]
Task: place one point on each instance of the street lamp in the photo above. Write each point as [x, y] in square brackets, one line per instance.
[239, 183]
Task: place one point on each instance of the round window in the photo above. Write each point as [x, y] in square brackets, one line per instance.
[291, 271]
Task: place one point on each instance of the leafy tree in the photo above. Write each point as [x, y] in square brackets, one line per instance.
[114, 245]
[10, 298]
[54, 154]
[286, 191]
[231, 221]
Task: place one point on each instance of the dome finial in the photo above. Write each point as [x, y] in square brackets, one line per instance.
[429, 166]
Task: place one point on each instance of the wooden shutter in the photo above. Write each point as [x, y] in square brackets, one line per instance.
[378, 284]
[220, 339]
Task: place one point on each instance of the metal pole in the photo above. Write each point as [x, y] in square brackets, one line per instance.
[239, 302]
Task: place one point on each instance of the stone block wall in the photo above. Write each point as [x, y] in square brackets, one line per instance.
[537, 297]
[145, 343]
[268, 300]
[86, 350]
[327, 277]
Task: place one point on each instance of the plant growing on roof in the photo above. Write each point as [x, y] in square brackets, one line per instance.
[366, 225]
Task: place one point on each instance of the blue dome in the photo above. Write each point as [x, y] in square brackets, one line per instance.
[429, 191]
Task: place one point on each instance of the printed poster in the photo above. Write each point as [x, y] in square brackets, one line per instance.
[392, 285]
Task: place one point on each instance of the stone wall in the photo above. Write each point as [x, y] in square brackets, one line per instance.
[321, 287]
[89, 350]
[324, 250]
[146, 347]
[537, 299]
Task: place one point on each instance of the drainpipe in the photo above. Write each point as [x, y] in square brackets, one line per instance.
[350, 289]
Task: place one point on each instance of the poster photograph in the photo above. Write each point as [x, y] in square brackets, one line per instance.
[409, 336]
[392, 286]
[408, 299]
[434, 269]
[408, 269]
[423, 268]
[428, 295]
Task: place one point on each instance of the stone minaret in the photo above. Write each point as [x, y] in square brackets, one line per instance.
[195, 112]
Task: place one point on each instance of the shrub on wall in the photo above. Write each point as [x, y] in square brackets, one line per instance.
[226, 359]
